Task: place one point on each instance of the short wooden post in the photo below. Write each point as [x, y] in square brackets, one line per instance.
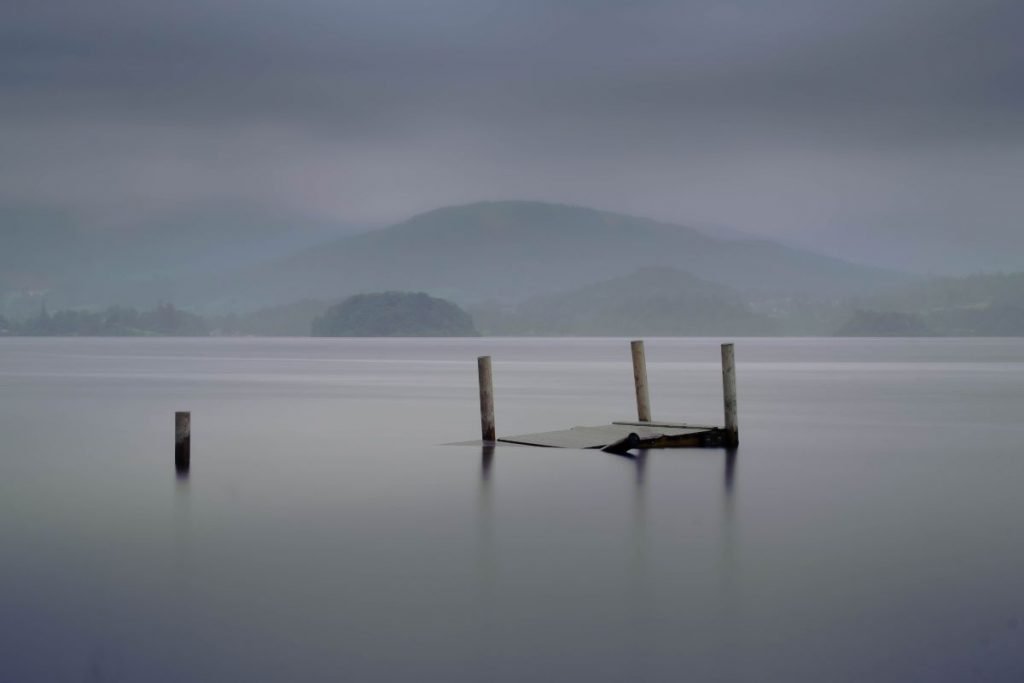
[732, 428]
[643, 400]
[182, 441]
[487, 432]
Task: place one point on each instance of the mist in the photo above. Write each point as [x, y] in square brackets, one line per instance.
[827, 123]
[511, 340]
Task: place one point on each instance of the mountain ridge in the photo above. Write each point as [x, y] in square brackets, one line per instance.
[513, 249]
[220, 258]
[659, 301]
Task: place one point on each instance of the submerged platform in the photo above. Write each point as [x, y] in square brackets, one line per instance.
[622, 437]
[626, 435]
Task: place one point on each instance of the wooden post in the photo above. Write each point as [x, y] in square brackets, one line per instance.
[643, 400]
[483, 364]
[182, 441]
[732, 428]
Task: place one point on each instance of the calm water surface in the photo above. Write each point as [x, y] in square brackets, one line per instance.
[871, 526]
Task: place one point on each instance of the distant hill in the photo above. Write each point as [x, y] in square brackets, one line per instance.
[654, 301]
[221, 257]
[510, 251]
[287, 320]
[973, 291]
[394, 314]
[884, 324]
[976, 305]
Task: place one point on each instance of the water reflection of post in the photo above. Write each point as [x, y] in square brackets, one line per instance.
[486, 462]
[640, 514]
[730, 614]
[730, 471]
[182, 504]
[182, 520]
[639, 493]
[728, 567]
[486, 560]
[644, 607]
[485, 509]
[485, 516]
[641, 471]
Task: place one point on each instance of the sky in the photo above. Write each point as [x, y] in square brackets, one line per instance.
[885, 131]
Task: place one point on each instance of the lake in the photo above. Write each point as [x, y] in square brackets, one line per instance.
[870, 527]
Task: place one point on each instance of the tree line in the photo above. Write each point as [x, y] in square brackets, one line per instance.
[116, 321]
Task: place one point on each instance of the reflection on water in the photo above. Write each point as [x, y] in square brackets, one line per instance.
[730, 471]
[487, 557]
[322, 536]
[486, 461]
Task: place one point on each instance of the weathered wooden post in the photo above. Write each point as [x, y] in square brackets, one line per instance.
[732, 429]
[182, 441]
[483, 364]
[643, 400]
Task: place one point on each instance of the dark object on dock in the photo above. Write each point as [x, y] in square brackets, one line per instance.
[613, 437]
[621, 437]
[623, 446]
[182, 441]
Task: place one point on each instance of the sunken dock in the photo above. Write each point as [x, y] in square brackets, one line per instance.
[620, 437]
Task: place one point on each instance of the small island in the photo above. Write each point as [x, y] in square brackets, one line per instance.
[394, 314]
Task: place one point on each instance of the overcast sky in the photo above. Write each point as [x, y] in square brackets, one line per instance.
[887, 130]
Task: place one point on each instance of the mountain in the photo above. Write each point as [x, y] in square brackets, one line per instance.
[220, 257]
[511, 250]
[656, 301]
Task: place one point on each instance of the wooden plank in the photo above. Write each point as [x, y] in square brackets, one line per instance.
[664, 425]
[567, 438]
[599, 436]
[705, 438]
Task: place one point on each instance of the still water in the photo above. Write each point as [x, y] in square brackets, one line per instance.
[870, 527]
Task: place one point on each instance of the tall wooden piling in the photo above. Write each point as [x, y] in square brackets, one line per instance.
[643, 400]
[487, 431]
[182, 441]
[732, 429]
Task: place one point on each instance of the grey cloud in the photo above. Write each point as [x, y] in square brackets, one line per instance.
[820, 121]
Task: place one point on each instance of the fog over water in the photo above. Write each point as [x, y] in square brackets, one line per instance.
[868, 528]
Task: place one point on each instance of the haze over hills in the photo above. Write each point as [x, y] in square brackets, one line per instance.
[168, 256]
[657, 301]
[976, 305]
[520, 267]
[511, 250]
